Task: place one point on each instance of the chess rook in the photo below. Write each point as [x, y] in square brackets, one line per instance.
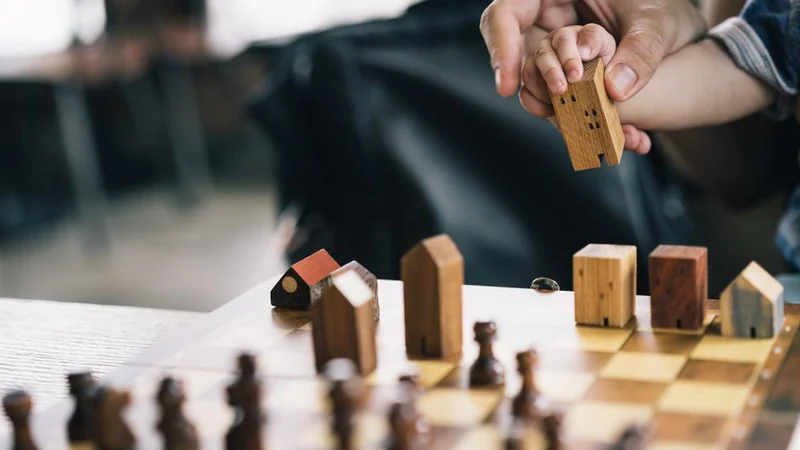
[678, 287]
[433, 276]
[752, 304]
[487, 370]
[18, 406]
[343, 325]
[588, 120]
[605, 284]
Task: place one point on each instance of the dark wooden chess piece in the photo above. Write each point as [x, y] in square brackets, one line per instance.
[344, 395]
[110, 430]
[526, 404]
[18, 406]
[633, 437]
[515, 440]
[411, 392]
[244, 394]
[403, 424]
[551, 429]
[82, 388]
[177, 431]
[487, 370]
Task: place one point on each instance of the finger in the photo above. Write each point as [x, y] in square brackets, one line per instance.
[502, 24]
[533, 105]
[639, 53]
[594, 41]
[565, 44]
[636, 140]
[549, 66]
[533, 81]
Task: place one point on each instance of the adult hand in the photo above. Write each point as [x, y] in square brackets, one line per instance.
[648, 31]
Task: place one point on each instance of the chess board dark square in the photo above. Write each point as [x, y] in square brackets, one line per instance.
[625, 391]
[720, 371]
[682, 427]
[668, 343]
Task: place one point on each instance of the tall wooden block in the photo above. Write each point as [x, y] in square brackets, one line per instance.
[678, 287]
[752, 304]
[604, 279]
[342, 324]
[588, 120]
[433, 276]
[293, 291]
[320, 286]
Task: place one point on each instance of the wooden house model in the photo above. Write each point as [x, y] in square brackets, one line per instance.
[751, 305]
[604, 279]
[293, 291]
[318, 288]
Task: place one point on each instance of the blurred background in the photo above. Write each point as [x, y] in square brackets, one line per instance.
[174, 153]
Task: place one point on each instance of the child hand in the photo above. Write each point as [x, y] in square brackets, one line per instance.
[559, 60]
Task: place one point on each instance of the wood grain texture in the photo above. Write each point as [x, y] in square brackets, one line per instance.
[678, 286]
[605, 284]
[588, 120]
[752, 304]
[293, 291]
[433, 276]
[343, 325]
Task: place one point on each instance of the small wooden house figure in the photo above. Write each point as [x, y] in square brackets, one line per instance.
[433, 277]
[678, 287]
[751, 305]
[588, 120]
[604, 284]
[293, 291]
[320, 286]
[342, 324]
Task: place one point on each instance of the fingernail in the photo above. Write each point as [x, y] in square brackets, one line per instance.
[497, 77]
[623, 78]
[584, 51]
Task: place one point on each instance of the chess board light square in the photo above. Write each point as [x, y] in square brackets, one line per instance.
[720, 348]
[195, 382]
[698, 397]
[605, 420]
[643, 366]
[491, 436]
[306, 395]
[554, 385]
[458, 407]
[594, 339]
[248, 337]
[430, 372]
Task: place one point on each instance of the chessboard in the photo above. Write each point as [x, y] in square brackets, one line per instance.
[694, 389]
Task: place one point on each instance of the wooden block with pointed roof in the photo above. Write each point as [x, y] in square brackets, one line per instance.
[588, 120]
[372, 281]
[293, 291]
[433, 276]
[342, 324]
[751, 305]
[604, 284]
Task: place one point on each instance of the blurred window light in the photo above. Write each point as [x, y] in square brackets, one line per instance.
[30, 28]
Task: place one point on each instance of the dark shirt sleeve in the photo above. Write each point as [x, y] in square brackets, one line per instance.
[764, 40]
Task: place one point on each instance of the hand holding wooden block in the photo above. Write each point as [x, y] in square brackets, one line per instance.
[588, 120]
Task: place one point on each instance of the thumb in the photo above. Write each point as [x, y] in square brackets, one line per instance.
[638, 55]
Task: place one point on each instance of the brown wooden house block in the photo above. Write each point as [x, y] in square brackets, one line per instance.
[433, 276]
[604, 279]
[342, 324]
[678, 287]
[752, 304]
[293, 291]
[320, 286]
[588, 120]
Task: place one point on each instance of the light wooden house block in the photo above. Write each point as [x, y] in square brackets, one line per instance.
[604, 279]
[293, 291]
[751, 305]
[322, 285]
[433, 277]
[588, 120]
[342, 324]
[678, 287]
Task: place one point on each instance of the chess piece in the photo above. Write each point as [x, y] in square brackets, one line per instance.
[633, 437]
[244, 394]
[403, 424]
[551, 429]
[79, 427]
[110, 430]
[343, 393]
[515, 440]
[487, 369]
[411, 394]
[526, 403]
[18, 406]
[178, 433]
